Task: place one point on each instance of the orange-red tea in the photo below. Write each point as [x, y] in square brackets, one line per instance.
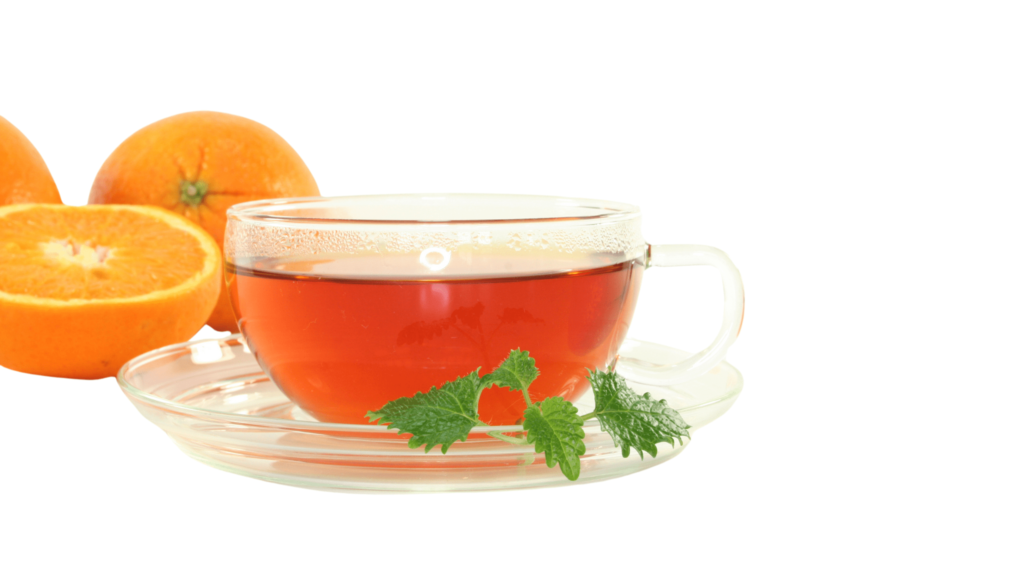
[339, 346]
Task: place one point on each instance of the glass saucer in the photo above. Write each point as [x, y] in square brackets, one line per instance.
[214, 401]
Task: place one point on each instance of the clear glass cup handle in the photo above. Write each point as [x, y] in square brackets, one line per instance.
[681, 370]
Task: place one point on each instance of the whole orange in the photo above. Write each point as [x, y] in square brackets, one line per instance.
[24, 176]
[198, 164]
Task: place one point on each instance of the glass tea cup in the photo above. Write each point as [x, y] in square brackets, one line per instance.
[351, 302]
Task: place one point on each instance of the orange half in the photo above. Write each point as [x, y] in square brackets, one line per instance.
[84, 289]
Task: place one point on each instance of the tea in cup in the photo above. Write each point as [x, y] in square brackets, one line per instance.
[351, 302]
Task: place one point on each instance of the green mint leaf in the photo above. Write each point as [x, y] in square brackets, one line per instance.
[632, 420]
[556, 430]
[516, 372]
[441, 416]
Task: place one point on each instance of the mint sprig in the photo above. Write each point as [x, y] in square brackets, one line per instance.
[445, 415]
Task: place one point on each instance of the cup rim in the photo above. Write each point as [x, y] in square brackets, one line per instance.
[258, 210]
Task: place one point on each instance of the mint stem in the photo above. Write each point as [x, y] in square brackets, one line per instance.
[526, 395]
[509, 439]
[590, 415]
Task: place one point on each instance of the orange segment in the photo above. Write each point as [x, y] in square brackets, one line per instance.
[85, 289]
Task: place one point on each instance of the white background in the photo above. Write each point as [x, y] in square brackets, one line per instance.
[861, 162]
